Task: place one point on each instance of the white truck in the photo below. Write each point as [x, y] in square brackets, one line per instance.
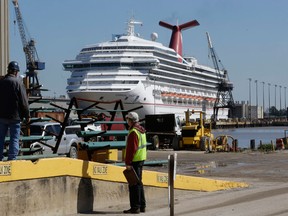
[68, 143]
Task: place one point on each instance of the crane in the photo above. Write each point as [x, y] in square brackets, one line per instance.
[224, 98]
[32, 60]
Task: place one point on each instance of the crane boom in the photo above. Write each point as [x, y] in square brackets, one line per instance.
[32, 60]
[213, 56]
[224, 98]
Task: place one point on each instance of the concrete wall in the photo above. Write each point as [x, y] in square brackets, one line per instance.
[65, 196]
[65, 186]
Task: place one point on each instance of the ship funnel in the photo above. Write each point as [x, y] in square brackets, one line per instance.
[176, 37]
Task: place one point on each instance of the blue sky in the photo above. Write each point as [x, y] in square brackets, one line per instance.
[249, 36]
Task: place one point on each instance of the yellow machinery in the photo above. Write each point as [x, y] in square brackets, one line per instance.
[194, 135]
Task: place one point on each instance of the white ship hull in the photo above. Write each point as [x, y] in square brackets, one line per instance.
[143, 97]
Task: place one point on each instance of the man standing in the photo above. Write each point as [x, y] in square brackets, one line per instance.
[135, 155]
[14, 108]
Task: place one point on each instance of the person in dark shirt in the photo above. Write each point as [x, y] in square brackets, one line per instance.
[135, 155]
[13, 109]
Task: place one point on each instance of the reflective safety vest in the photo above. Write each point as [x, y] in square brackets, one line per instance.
[141, 153]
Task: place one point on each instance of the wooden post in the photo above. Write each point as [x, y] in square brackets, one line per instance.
[273, 149]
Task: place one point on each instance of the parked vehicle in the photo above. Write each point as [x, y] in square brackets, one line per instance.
[162, 130]
[69, 140]
[89, 124]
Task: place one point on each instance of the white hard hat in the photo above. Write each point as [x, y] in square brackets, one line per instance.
[133, 116]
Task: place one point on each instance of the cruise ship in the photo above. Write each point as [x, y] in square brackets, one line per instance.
[146, 73]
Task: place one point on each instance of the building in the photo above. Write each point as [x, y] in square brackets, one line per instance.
[244, 111]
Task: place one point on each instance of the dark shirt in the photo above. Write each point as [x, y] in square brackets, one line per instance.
[13, 97]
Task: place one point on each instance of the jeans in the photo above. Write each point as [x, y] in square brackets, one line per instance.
[14, 138]
[136, 192]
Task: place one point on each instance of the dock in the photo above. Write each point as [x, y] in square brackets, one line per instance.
[65, 186]
[232, 123]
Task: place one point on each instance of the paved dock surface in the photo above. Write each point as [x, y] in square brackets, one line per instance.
[266, 173]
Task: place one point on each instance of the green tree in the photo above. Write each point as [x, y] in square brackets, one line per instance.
[274, 111]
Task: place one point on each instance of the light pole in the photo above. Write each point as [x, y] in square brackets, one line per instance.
[263, 100]
[256, 82]
[285, 96]
[269, 84]
[280, 87]
[285, 100]
[275, 95]
[249, 106]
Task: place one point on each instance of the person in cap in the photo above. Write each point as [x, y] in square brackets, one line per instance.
[14, 108]
[135, 155]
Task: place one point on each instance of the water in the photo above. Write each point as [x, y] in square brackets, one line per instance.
[244, 135]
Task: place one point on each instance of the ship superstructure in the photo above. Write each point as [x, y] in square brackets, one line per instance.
[143, 72]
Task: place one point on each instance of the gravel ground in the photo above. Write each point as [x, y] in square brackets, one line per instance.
[266, 173]
[264, 166]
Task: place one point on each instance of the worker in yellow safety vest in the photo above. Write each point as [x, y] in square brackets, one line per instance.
[135, 155]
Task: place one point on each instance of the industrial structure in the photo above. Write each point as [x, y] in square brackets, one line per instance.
[32, 60]
[245, 111]
[4, 36]
[224, 98]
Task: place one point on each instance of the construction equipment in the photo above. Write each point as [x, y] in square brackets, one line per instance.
[32, 60]
[193, 134]
[224, 98]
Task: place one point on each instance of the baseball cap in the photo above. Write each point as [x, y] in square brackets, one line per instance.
[133, 116]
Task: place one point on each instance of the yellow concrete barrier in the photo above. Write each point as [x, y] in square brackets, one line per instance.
[53, 167]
